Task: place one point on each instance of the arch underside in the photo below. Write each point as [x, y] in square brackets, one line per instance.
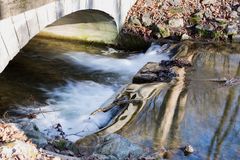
[84, 25]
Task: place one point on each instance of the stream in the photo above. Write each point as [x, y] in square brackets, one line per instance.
[65, 82]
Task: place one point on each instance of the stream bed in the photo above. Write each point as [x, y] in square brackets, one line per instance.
[66, 82]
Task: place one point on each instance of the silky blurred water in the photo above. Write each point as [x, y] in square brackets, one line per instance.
[69, 81]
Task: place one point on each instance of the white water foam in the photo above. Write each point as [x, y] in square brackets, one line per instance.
[128, 66]
[72, 105]
[77, 100]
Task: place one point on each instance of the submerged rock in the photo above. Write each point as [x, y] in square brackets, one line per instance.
[159, 72]
[188, 150]
[119, 147]
[176, 62]
[101, 157]
[32, 132]
[153, 72]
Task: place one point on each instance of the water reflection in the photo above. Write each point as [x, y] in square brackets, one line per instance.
[197, 109]
[227, 122]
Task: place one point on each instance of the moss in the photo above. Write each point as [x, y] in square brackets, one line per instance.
[195, 19]
[164, 32]
[204, 33]
[60, 144]
[217, 34]
[131, 42]
[176, 10]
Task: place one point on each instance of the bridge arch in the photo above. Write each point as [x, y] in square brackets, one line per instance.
[16, 29]
[88, 25]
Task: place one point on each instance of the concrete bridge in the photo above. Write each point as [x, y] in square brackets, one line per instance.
[21, 20]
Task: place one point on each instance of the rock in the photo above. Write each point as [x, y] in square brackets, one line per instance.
[16, 145]
[199, 14]
[228, 7]
[10, 132]
[163, 31]
[206, 31]
[238, 9]
[232, 29]
[195, 20]
[176, 63]
[101, 157]
[175, 23]
[148, 2]
[32, 132]
[145, 78]
[154, 72]
[208, 1]
[119, 147]
[135, 21]
[221, 20]
[208, 27]
[146, 20]
[185, 37]
[26, 150]
[176, 2]
[188, 150]
[236, 38]
[154, 156]
[208, 14]
[199, 27]
[167, 155]
[234, 14]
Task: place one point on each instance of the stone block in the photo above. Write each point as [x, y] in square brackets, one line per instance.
[83, 4]
[67, 7]
[76, 5]
[9, 36]
[42, 17]
[59, 8]
[32, 22]
[51, 11]
[4, 57]
[21, 28]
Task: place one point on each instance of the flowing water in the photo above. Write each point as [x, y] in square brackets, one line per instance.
[66, 82]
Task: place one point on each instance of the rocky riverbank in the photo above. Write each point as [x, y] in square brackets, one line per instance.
[203, 20]
[15, 144]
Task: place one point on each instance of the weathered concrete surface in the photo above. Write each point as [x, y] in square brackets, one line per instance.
[20, 20]
[93, 26]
